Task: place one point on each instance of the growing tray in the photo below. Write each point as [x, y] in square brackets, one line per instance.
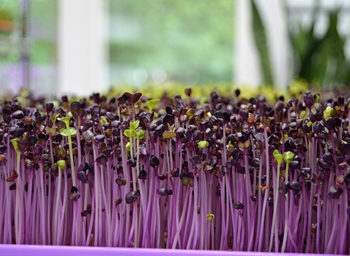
[36, 250]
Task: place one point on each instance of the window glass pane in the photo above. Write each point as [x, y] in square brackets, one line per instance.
[9, 45]
[185, 41]
[39, 45]
[43, 47]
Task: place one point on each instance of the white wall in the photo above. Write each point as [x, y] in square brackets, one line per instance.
[82, 51]
[246, 60]
[246, 64]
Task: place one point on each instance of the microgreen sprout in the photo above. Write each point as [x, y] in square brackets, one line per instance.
[228, 173]
[139, 134]
[327, 113]
[274, 231]
[69, 132]
[288, 158]
[151, 104]
[18, 211]
[203, 144]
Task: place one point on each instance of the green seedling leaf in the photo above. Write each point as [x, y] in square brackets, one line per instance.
[210, 217]
[71, 132]
[152, 103]
[127, 146]
[327, 113]
[134, 125]
[288, 157]
[203, 144]
[24, 93]
[61, 164]
[190, 113]
[317, 100]
[66, 119]
[56, 104]
[203, 100]
[230, 145]
[169, 134]
[103, 120]
[285, 137]
[303, 115]
[21, 99]
[15, 145]
[140, 134]
[54, 117]
[278, 156]
[128, 133]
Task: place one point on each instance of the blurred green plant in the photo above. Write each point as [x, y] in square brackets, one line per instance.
[262, 45]
[320, 59]
[190, 39]
[6, 14]
[6, 21]
[201, 91]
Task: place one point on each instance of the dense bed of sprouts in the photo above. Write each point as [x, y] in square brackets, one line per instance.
[227, 174]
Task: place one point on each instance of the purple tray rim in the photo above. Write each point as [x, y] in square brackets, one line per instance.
[51, 250]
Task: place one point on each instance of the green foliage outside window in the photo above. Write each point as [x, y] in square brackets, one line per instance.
[179, 36]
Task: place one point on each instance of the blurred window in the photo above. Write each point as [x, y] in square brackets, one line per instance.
[43, 45]
[183, 41]
[9, 45]
[301, 13]
[39, 44]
